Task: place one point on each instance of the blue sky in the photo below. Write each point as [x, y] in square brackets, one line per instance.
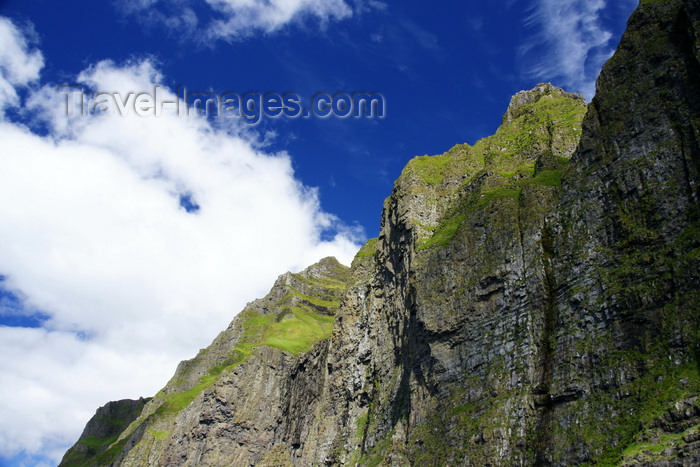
[128, 242]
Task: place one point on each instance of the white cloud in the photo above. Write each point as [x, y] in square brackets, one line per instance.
[246, 16]
[574, 41]
[52, 382]
[234, 19]
[18, 64]
[94, 236]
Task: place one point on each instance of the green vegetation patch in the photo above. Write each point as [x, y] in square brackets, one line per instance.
[368, 249]
[107, 457]
[448, 228]
[294, 331]
[97, 444]
[160, 435]
[326, 283]
[362, 423]
[378, 454]
[504, 192]
[454, 218]
[326, 301]
[663, 442]
[546, 178]
[174, 403]
[297, 333]
[444, 233]
[430, 169]
[531, 130]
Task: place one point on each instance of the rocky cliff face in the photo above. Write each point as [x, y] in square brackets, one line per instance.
[532, 299]
[625, 257]
[102, 430]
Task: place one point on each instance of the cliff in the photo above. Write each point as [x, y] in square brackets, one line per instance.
[102, 430]
[532, 299]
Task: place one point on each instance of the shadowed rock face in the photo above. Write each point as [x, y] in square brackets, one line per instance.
[102, 430]
[532, 299]
[625, 246]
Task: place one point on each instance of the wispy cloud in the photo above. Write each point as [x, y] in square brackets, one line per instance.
[236, 19]
[427, 40]
[241, 18]
[571, 44]
[95, 237]
[20, 62]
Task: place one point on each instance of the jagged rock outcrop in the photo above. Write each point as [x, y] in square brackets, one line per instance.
[532, 299]
[102, 430]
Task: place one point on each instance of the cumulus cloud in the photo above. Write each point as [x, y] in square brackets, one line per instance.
[233, 19]
[137, 238]
[572, 45]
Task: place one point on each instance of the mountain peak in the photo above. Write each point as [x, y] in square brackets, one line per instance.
[524, 98]
[326, 268]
